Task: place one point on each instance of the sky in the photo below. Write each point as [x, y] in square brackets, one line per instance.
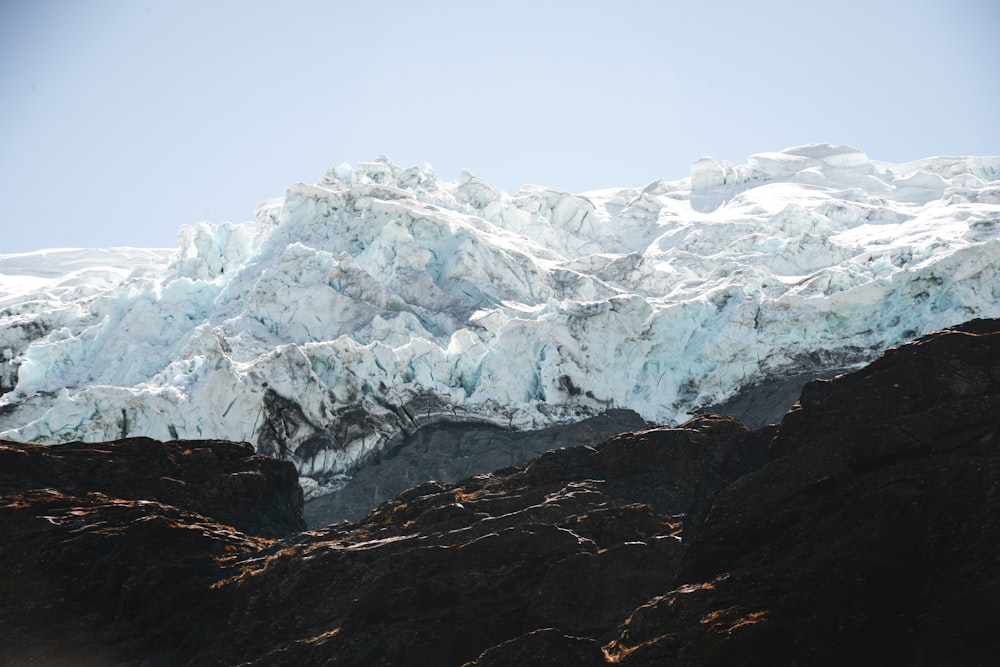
[121, 120]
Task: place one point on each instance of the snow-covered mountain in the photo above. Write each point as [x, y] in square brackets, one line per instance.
[382, 298]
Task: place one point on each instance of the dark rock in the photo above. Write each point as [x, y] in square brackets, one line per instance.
[440, 578]
[88, 579]
[436, 576]
[109, 549]
[862, 530]
[450, 452]
[868, 538]
[767, 402]
[590, 593]
[542, 648]
[223, 480]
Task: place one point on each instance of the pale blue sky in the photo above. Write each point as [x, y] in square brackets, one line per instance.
[122, 120]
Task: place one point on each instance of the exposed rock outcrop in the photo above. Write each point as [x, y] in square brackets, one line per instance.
[867, 538]
[223, 480]
[450, 452]
[861, 530]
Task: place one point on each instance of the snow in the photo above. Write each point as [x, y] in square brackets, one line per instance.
[383, 298]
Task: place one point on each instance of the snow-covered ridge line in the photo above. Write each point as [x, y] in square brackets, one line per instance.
[382, 298]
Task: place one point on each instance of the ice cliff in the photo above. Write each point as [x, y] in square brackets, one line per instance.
[382, 298]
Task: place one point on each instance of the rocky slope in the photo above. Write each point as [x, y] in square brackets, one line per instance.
[861, 530]
[449, 452]
[224, 480]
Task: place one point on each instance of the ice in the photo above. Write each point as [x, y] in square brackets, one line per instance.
[382, 298]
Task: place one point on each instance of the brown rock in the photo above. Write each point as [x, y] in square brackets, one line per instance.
[868, 538]
[862, 530]
[224, 480]
[542, 648]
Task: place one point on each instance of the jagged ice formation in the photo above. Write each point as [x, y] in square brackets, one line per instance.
[382, 298]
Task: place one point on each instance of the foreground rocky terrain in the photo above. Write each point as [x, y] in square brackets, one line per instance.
[861, 530]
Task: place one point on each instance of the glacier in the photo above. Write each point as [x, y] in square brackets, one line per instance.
[382, 299]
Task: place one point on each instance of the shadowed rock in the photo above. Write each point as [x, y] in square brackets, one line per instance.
[861, 530]
[223, 480]
[450, 452]
[867, 538]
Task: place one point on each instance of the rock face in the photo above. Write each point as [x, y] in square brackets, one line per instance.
[223, 480]
[861, 530]
[449, 452]
[868, 537]
[108, 549]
